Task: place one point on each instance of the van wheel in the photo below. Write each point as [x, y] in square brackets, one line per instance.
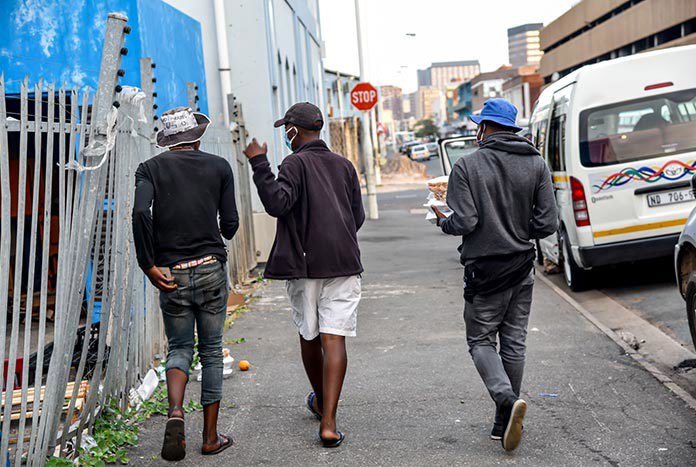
[577, 278]
[691, 305]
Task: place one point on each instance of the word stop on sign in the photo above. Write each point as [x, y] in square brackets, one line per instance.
[366, 97]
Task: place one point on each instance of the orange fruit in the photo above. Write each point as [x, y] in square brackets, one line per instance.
[244, 365]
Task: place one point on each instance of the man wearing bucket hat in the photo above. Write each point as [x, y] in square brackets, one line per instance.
[316, 198]
[502, 198]
[184, 205]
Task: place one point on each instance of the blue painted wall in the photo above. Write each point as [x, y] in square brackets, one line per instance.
[61, 41]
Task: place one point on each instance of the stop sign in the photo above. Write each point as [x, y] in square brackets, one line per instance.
[363, 96]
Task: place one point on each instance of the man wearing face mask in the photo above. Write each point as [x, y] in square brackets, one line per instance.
[502, 198]
[316, 198]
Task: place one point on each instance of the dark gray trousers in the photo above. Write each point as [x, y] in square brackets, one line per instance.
[503, 314]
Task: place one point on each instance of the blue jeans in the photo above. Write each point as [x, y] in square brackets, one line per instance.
[201, 301]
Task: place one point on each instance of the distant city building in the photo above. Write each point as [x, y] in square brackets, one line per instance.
[443, 74]
[523, 91]
[424, 78]
[430, 104]
[462, 106]
[488, 85]
[523, 44]
[391, 99]
[595, 30]
[451, 100]
[409, 105]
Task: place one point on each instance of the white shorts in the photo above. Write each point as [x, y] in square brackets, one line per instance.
[327, 306]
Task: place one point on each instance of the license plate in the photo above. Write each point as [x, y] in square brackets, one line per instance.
[670, 197]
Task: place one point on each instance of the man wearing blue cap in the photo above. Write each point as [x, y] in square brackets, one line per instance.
[502, 198]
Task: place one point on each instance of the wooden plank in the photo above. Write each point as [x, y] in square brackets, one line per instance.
[17, 393]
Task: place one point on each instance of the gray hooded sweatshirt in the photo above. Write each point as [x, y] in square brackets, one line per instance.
[502, 197]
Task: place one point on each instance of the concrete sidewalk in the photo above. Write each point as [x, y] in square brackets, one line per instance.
[412, 396]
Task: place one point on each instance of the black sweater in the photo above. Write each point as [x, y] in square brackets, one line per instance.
[317, 201]
[186, 190]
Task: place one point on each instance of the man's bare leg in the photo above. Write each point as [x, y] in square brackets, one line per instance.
[313, 360]
[335, 363]
[211, 439]
[176, 386]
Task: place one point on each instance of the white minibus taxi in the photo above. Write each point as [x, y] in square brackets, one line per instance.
[620, 139]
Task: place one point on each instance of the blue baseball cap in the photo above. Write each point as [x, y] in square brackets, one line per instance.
[498, 111]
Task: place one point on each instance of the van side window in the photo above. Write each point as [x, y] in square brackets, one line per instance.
[540, 135]
[639, 129]
[556, 152]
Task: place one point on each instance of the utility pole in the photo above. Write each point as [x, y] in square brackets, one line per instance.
[365, 149]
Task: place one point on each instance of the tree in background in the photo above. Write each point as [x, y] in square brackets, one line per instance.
[426, 128]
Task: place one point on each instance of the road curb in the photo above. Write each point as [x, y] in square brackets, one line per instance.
[649, 367]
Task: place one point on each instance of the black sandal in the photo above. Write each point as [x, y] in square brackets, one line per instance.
[225, 442]
[174, 445]
[332, 443]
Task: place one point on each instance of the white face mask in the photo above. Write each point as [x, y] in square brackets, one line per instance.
[479, 133]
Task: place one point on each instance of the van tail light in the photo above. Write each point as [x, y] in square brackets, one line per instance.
[582, 216]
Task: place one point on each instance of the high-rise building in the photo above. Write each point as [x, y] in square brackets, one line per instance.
[391, 99]
[523, 44]
[430, 104]
[424, 78]
[443, 74]
[409, 105]
[594, 30]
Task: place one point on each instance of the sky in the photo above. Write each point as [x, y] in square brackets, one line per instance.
[444, 30]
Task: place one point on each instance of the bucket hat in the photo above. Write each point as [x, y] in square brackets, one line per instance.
[498, 111]
[303, 114]
[181, 125]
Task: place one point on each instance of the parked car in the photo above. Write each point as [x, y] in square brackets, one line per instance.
[419, 152]
[432, 150]
[404, 149]
[685, 266]
[620, 139]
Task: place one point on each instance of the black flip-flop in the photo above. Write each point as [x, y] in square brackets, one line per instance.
[332, 443]
[310, 401]
[225, 442]
[174, 445]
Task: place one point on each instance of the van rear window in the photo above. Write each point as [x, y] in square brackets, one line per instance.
[638, 129]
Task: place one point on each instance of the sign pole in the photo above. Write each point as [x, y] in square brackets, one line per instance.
[365, 149]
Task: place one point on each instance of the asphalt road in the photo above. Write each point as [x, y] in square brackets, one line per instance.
[647, 287]
[412, 395]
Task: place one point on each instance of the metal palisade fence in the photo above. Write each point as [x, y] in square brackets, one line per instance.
[229, 145]
[79, 323]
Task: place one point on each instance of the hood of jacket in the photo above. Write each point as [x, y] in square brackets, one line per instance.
[511, 143]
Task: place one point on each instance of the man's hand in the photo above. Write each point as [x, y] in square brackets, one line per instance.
[159, 280]
[439, 214]
[255, 149]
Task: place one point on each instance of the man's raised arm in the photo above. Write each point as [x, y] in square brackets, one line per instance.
[277, 195]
